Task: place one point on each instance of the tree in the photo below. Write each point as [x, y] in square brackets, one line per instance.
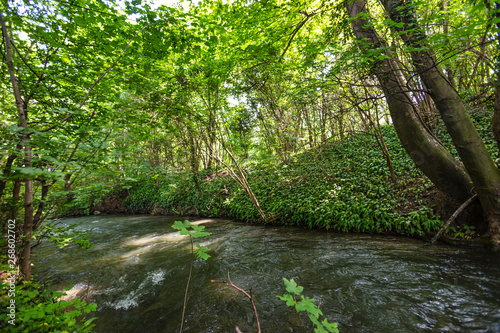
[55, 56]
[428, 154]
[480, 166]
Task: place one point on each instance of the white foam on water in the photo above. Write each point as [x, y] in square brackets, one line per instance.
[132, 299]
[125, 304]
[157, 276]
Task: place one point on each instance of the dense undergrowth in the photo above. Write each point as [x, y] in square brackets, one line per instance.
[341, 186]
[38, 309]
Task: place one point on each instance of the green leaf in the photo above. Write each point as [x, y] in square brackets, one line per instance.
[88, 322]
[315, 321]
[185, 232]
[200, 234]
[198, 227]
[178, 225]
[292, 287]
[307, 305]
[288, 299]
[80, 20]
[202, 254]
[331, 327]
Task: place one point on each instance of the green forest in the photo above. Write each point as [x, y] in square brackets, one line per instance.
[378, 117]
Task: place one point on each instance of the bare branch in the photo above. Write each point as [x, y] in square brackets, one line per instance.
[248, 295]
[452, 218]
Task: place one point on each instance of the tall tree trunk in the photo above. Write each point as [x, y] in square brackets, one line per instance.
[425, 150]
[28, 217]
[25, 141]
[479, 165]
[496, 112]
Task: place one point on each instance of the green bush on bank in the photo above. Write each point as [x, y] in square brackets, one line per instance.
[37, 309]
[342, 186]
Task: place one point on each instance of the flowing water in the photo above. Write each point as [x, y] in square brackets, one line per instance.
[138, 269]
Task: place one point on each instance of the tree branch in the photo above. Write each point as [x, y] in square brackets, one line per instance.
[248, 295]
[452, 218]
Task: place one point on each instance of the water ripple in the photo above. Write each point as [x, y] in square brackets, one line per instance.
[138, 269]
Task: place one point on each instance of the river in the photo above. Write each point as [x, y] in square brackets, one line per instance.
[138, 269]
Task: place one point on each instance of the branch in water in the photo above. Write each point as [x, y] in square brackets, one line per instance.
[248, 295]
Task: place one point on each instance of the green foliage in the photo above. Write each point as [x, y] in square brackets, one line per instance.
[181, 78]
[306, 304]
[38, 309]
[344, 187]
[142, 197]
[177, 194]
[80, 201]
[144, 130]
[63, 236]
[462, 232]
[198, 232]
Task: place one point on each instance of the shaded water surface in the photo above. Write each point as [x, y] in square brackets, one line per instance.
[138, 269]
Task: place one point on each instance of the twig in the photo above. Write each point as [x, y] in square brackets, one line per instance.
[86, 297]
[187, 286]
[249, 295]
[452, 218]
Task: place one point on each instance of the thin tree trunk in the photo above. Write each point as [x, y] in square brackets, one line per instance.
[38, 217]
[6, 171]
[238, 176]
[496, 112]
[369, 124]
[194, 162]
[25, 141]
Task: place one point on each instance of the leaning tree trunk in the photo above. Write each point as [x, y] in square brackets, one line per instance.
[425, 150]
[478, 162]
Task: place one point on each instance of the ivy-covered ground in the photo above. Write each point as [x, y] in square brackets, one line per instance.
[342, 186]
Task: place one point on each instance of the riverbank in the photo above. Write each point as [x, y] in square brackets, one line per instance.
[341, 186]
